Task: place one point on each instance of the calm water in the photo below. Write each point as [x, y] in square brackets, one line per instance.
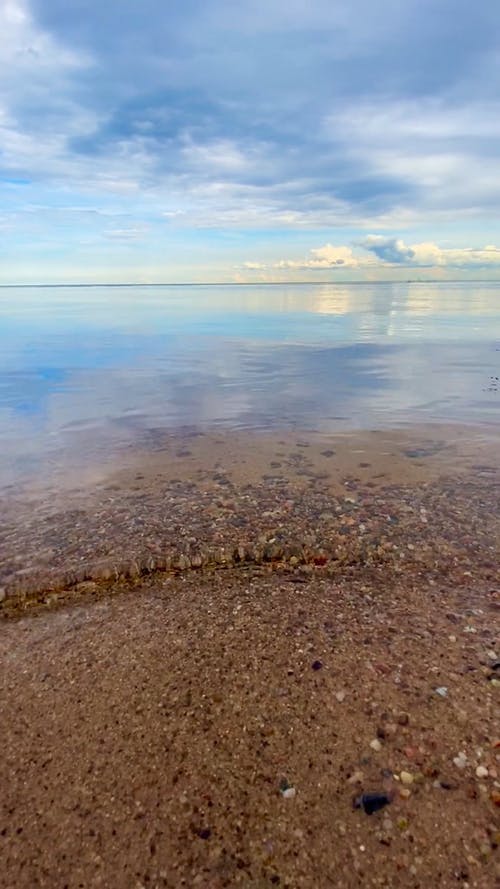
[84, 371]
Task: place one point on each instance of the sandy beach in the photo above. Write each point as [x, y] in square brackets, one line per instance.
[208, 702]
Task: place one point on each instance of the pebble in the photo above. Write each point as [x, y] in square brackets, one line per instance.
[482, 772]
[442, 691]
[461, 760]
[406, 778]
[376, 745]
[289, 793]
[372, 802]
[404, 792]
[390, 728]
[340, 695]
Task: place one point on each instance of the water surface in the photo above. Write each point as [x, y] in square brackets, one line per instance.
[85, 371]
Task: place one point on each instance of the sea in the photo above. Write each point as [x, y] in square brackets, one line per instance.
[87, 371]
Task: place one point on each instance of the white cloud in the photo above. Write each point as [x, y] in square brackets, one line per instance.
[136, 233]
[429, 254]
[326, 257]
[387, 253]
[438, 148]
[26, 49]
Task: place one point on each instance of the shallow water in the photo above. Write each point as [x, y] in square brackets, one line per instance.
[87, 371]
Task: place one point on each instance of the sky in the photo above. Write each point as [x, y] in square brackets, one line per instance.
[270, 140]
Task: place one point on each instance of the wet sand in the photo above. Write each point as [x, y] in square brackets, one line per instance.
[200, 672]
[197, 501]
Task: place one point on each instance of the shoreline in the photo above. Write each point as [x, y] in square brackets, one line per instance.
[207, 661]
[388, 501]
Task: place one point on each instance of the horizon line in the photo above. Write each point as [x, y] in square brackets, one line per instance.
[251, 283]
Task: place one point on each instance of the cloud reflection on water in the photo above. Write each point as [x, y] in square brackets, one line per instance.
[95, 368]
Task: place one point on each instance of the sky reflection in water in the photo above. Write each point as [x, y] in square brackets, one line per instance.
[88, 369]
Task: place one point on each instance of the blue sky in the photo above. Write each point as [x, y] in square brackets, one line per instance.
[216, 140]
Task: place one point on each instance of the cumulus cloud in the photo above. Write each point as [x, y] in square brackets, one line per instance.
[428, 254]
[386, 253]
[326, 257]
[329, 256]
[391, 250]
[394, 251]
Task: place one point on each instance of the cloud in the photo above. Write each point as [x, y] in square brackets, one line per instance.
[441, 150]
[387, 253]
[326, 257]
[429, 255]
[139, 233]
[274, 116]
[390, 250]
[393, 251]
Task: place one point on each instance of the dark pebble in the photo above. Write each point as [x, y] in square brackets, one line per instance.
[317, 665]
[372, 802]
[205, 833]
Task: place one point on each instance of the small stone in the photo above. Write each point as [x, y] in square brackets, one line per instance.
[406, 778]
[452, 638]
[403, 719]
[376, 745]
[316, 665]
[410, 752]
[372, 802]
[495, 797]
[442, 691]
[404, 792]
[482, 772]
[356, 778]
[492, 655]
[387, 824]
[284, 785]
[86, 586]
[289, 793]
[390, 729]
[461, 760]
[340, 696]
[3, 593]
[204, 833]
[402, 823]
